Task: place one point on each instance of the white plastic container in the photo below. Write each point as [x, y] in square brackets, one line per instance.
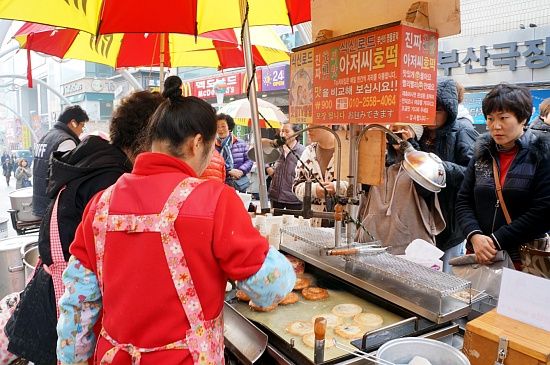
[402, 350]
[246, 198]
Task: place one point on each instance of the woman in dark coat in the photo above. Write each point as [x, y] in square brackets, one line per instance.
[452, 140]
[92, 166]
[523, 163]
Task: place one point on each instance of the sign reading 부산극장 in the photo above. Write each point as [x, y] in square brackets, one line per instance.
[387, 75]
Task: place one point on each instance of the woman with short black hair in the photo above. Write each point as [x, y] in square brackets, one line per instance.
[518, 160]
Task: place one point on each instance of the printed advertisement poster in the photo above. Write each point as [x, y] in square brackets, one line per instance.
[301, 87]
[384, 76]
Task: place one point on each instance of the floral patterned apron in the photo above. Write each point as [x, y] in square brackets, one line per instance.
[204, 339]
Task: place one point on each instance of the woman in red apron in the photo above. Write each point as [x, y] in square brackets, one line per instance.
[155, 250]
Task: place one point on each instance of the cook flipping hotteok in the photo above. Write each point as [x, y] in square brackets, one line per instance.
[154, 252]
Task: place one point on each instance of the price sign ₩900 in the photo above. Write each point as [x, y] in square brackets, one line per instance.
[387, 75]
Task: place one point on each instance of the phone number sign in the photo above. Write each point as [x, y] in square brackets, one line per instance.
[387, 76]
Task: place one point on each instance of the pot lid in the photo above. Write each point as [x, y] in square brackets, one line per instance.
[17, 242]
[21, 193]
[426, 169]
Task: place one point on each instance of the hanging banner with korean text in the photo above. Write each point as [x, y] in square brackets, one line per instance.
[385, 75]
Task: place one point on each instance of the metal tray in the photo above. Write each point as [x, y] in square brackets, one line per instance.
[421, 290]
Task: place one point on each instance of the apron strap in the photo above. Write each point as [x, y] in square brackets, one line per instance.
[179, 271]
[58, 259]
[134, 351]
[175, 256]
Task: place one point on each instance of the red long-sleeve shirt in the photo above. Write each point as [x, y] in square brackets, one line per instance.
[140, 303]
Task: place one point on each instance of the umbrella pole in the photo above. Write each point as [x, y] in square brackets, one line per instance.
[161, 59]
[255, 120]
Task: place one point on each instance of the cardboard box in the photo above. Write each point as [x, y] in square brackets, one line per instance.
[527, 345]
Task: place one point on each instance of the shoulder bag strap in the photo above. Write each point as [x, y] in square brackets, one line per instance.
[496, 175]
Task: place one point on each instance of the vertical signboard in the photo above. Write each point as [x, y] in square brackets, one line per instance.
[387, 75]
[300, 95]
[418, 79]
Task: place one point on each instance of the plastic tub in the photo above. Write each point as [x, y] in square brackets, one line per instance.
[402, 350]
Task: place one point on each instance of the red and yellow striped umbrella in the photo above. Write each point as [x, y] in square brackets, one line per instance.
[219, 49]
[159, 16]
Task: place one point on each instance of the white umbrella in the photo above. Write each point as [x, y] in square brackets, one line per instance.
[239, 110]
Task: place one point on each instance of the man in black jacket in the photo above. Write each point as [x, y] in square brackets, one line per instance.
[62, 137]
[452, 140]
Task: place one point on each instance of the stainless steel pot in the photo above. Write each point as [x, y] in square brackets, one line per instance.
[12, 275]
[30, 256]
[402, 351]
[21, 201]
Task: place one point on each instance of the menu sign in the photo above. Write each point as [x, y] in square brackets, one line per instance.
[382, 76]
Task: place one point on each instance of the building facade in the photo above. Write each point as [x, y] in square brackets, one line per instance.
[501, 41]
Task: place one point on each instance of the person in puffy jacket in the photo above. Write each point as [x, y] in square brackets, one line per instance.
[215, 169]
[452, 140]
[234, 152]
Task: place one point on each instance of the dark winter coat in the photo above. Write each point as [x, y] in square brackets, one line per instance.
[539, 126]
[280, 189]
[43, 151]
[91, 167]
[454, 144]
[526, 192]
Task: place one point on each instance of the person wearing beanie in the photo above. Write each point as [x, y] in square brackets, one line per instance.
[398, 210]
[452, 140]
[63, 136]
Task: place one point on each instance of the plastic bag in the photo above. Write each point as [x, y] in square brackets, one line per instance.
[7, 307]
[484, 278]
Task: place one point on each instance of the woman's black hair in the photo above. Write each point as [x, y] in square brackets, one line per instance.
[509, 98]
[172, 85]
[179, 118]
[228, 119]
[130, 120]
